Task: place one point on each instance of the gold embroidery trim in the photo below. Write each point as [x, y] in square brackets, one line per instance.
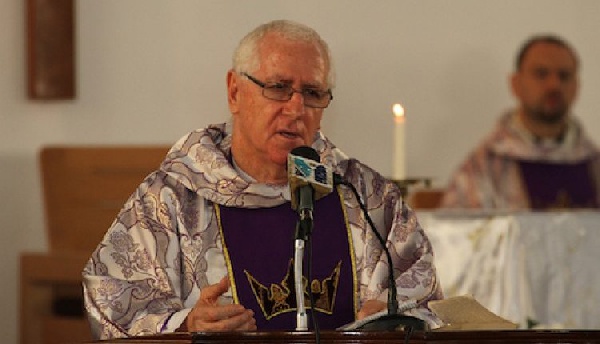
[233, 286]
[351, 249]
[277, 298]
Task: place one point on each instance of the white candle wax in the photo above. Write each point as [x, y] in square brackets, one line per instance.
[399, 143]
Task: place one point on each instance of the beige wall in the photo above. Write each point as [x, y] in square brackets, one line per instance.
[150, 70]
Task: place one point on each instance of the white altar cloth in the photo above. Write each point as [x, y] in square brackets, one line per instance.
[539, 266]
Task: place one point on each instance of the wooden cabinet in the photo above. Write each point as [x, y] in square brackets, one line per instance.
[44, 279]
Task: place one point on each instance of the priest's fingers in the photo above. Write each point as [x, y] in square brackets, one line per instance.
[209, 295]
[370, 307]
[233, 317]
[246, 324]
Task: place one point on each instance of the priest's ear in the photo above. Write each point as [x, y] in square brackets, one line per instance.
[233, 91]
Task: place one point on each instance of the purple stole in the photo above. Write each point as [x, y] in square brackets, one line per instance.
[259, 249]
[559, 185]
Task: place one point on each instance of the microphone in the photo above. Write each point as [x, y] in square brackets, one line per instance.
[309, 180]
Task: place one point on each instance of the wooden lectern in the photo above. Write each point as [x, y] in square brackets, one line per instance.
[372, 337]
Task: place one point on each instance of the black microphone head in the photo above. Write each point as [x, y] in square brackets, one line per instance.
[306, 152]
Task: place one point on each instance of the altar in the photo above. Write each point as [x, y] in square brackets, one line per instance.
[531, 267]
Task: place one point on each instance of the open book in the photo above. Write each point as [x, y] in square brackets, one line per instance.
[465, 313]
[457, 313]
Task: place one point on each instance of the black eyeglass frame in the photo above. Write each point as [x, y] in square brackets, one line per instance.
[264, 86]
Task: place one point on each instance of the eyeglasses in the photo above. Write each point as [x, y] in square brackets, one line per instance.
[313, 98]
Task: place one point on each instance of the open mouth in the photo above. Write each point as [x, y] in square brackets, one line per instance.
[289, 134]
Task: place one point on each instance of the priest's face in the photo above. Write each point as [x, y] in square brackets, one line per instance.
[546, 84]
[266, 130]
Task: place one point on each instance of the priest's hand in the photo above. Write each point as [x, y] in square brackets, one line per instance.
[370, 307]
[210, 316]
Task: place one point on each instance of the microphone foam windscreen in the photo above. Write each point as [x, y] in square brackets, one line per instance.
[304, 168]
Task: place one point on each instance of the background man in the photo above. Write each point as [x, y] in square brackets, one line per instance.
[538, 156]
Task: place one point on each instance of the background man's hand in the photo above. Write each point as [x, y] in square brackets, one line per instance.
[210, 316]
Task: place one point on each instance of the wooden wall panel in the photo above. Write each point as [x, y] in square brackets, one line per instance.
[51, 49]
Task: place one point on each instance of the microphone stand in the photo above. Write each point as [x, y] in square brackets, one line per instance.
[305, 201]
[303, 230]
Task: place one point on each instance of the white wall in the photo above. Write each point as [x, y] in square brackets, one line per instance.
[150, 70]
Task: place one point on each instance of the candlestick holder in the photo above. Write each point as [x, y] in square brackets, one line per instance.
[404, 184]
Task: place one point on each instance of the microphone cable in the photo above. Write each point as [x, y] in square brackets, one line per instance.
[392, 292]
[392, 304]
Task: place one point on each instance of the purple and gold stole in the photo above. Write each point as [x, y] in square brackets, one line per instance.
[258, 245]
[559, 185]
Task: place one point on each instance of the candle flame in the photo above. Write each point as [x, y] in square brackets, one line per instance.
[398, 112]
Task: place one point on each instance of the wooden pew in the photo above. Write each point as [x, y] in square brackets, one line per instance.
[84, 187]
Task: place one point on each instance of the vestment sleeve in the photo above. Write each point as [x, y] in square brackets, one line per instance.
[132, 281]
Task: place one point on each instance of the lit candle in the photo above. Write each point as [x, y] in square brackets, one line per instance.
[399, 155]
